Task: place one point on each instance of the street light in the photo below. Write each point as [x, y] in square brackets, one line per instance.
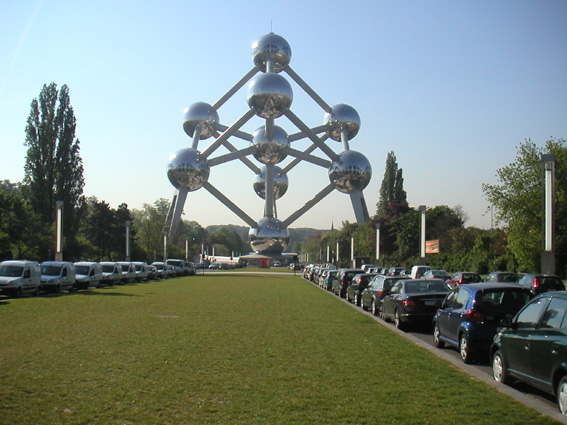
[352, 250]
[377, 226]
[422, 244]
[547, 255]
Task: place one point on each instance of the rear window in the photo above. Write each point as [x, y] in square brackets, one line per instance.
[551, 283]
[502, 301]
[471, 278]
[425, 286]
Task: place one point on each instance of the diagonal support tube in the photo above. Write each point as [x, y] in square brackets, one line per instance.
[230, 205]
[235, 88]
[229, 132]
[307, 89]
[309, 204]
[312, 136]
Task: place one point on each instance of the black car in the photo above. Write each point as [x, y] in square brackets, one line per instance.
[413, 301]
[470, 315]
[358, 283]
[532, 347]
[376, 290]
[505, 277]
[538, 283]
[343, 279]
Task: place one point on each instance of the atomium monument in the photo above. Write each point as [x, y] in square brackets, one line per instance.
[269, 96]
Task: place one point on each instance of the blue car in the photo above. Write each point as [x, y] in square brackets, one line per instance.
[470, 315]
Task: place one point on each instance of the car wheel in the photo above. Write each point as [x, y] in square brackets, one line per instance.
[562, 395]
[374, 309]
[398, 321]
[499, 369]
[465, 349]
[19, 292]
[362, 305]
[356, 300]
[436, 334]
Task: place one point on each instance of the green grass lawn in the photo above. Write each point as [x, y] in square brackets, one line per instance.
[225, 349]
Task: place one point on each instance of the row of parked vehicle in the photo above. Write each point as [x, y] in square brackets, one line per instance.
[517, 322]
[19, 277]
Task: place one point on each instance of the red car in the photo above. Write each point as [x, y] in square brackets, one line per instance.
[459, 278]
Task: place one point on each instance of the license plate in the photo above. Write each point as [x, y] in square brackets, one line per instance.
[431, 303]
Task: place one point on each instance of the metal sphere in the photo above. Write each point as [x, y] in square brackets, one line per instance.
[342, 116]
[351, 172]
[269, 95]
[281, 183]
[186, 170]
[270, 237]
[274, 47]
[200, 114]
[270, 151]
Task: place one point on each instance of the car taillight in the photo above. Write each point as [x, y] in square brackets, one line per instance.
[536, 283]
[380, 293]
[409, 304]
[474, 316]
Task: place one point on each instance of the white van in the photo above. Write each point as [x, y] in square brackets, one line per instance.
[128, 271]
[57, 275]
[88, 274]
[111, 273]
[19, 277]
[141, 271]
[417, 271]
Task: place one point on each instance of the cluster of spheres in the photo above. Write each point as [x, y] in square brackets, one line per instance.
[269, 97]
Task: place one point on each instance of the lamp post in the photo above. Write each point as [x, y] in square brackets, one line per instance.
[352, 250]
[377, 226]
[59, 231]
[422, 243]
[128, 223]
[548, 255]
[337, 254]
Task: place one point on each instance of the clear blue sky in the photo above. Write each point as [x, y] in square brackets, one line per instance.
[451, 87]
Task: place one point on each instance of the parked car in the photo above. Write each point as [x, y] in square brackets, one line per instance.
[376, 290]
[328, 282]
[357, 285]
[128, 271]
[88, 274]
[532, 347]
[413, 301]
[460, 278]
[505, 277]
[57, 275]
[111, 273]
[342, 280]
[470, 315]
[538, 283]
[151, 271]
[19, 277]
[417, 271]
[161, 269]
[436, 274]
[396, 271]
[177, 264]
[141, 271]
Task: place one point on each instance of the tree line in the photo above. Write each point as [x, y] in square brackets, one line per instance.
[93, 230]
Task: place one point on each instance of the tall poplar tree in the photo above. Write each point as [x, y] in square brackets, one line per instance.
[54, 168]
[392, 189]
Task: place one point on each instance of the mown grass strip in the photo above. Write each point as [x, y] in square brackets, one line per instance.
[225, 349]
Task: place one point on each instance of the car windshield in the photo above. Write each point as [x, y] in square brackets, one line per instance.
[82, 269]
[425, 286]
[502, 301]
[175, 263]
[51, 270]
[11, 271]
[108, 269]
[507, 277]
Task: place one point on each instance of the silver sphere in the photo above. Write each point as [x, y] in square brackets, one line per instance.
[203, 115]
[281, 183]
[270, 151]
[269, 95]
[270, 237]
[185, 169]
[274, 47]
[342, 116]
[351, 172]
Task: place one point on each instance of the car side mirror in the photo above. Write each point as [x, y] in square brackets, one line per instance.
[506, 323]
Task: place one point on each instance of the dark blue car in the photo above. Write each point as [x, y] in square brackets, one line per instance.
[470, 314]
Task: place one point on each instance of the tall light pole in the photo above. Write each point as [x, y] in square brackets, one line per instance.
[422, 243]
[337, 254]
[59, 231]
[548, 255]
[352, 250]
[377, 226]
[128, 223]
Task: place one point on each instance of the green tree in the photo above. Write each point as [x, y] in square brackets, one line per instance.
[392, 189]
[517, 202]
[53, 167]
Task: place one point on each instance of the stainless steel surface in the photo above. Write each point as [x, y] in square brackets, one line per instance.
[270, 236]
[342, 116]
[281, 183]
[269, 95]
[274, 47]
[351, 172]
[187, 170]
[270, 151]
[203, 115]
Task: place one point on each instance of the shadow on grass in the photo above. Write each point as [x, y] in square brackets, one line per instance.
[88, 293]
